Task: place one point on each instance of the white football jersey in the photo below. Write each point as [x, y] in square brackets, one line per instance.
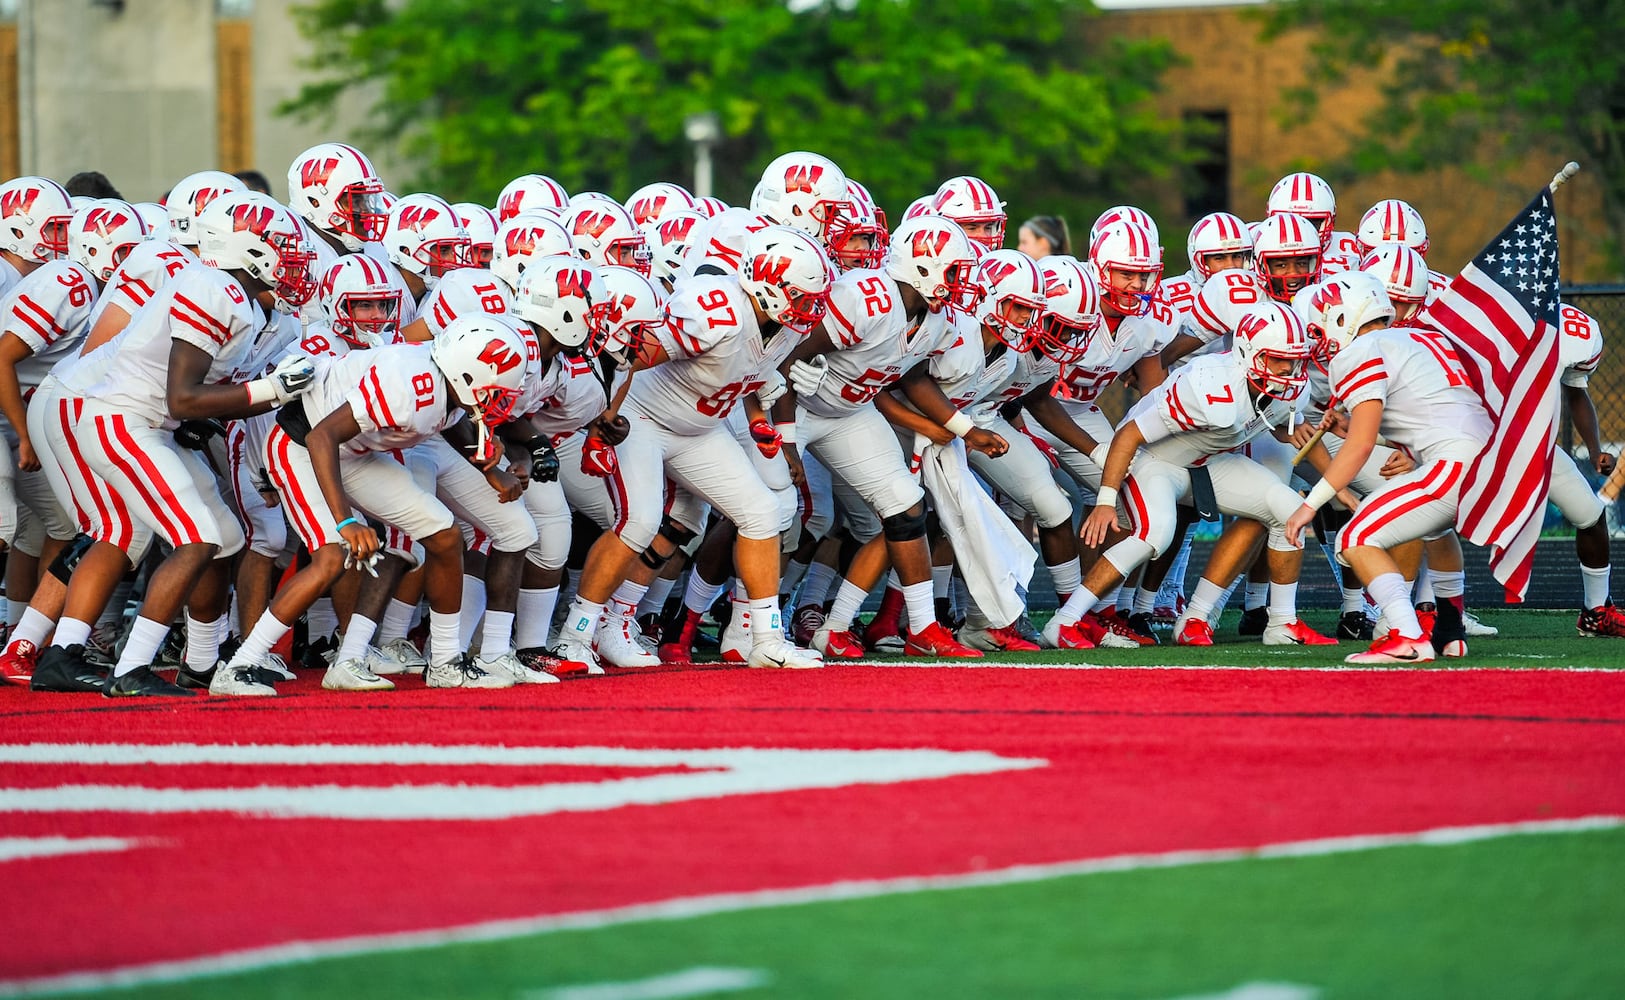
[1112, 352]
[718, 243]
[1180, 294]
[8, 276]
[1028, 371]
[148, 267]
[50, 312]
[1222, 301]
[1428, 405]
[319, 341]
[467, 291]
[1580, 348]
[575, 397]
[1203, 409]
[963, 370]
[875, 342]
[202, 306]
[396, 394]
[716, 355]
[1342, 255]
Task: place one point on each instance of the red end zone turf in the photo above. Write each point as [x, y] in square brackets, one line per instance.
[1139, 761]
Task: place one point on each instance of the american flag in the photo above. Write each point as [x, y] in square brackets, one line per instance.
[1501, 312]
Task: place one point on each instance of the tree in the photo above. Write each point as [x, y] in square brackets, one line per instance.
[902, 94]
[1480, 80]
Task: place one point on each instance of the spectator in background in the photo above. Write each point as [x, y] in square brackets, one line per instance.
[1043, 235]
[255, 180]
[91, 184]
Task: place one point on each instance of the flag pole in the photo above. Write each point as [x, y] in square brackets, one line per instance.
[1561, 177]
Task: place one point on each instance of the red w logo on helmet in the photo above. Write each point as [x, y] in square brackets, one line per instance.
[317, 172]
[1329, 294]
[498, 355]
[931, 242]
[802, 178]
[100, 220]
[1251, 324]
[770, 269]
[593, 224]
[252, 218]
[521, 240]
[999, 270]
[645, 209]
[416, 218]
[573, 283]
[676, 230]
[18, 202]
[509, 206]
[617, 306]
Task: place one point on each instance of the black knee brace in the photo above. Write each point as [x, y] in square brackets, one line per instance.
[62, 566]
[674, 532]
[904, 527]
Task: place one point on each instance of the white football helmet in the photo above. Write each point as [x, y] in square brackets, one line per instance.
[335, 188]
[481, 225]
[1337, 309]
[190, 196]
[1218, 233]
[35, 215]
[424, 237]
[669, 240]
[789, 275]
[566, 298]
[360, 302]
[652, 202]
[155, 217]
[529, 191]
[1269, 332]
[1125, 213]
[603, 232]
[1284, 237]
[1307, 196]
[1392, 221]
[1404, 274]
[859, 238]
[1011, 282]
[802, 189]
[483, 359]
[1127, 247]
[923, 205]
[973, 204]
[710, 207]
[933, 255]
[524, 238]
[249, 231]
[103, 233]
[633, 306]
[1071, 312]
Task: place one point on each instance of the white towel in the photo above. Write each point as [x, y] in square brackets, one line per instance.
[993, 557]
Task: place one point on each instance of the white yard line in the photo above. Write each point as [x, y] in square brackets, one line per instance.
[688, 907]
[25, 848]
[700, 981]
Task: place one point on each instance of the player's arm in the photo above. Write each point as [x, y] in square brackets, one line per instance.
[1052, 416]
[1148, 373]
[923, 391]
[13, 349]
[1125, 444]
[1584, 414]
[323, 445]
[190, 396]
[417, 331]
[1181, 345]
[1364, 422]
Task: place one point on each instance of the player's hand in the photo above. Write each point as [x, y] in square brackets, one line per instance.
[767, 438]
[1348, 498]
[798, 471]
[613, 428]
[1301, 435]
[985, 441]
[1604, 463]
[1398, 464]
[544, 465]
[292, 377]
[771, 390]
[598, 457]
[1297, 522]
[27, 461]
[521, 472]
[1335, 422]
[191, 434]
[506, 484]
[360, 540]
[1098, 525]
[808, 375]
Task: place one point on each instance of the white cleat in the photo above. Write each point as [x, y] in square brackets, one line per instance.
[648, 643]
[464, 673]
[1476, 629]
[353, 675]
[735, 639]
[617, 647]
[509, 664]
[238, 682]
[777, 651]
[397, 656]
[573, 650]
[277, 665]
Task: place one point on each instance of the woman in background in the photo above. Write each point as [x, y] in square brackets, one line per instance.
[1043, 235]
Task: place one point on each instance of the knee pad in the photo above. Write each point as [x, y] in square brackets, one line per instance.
[63, 565]
[904, 527]
[674, 532]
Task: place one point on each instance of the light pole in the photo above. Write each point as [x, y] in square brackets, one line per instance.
[702, 130]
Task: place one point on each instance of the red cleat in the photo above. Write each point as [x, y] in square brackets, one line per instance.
[1394, 648]
[934, 640]
[17, 662]
[1011, 641]
[838, 645]
[1606, 621]
[1295, 633]
[1195, 632]
[677, 644]
[1120, 624]
[1426, 614]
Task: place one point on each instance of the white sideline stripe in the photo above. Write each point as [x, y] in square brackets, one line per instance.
[1335, 668]
[688, 907]
[701, 980]
[1261, 991]
[24, 848]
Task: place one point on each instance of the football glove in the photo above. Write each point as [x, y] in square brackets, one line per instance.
[767, 438]
[598, 457]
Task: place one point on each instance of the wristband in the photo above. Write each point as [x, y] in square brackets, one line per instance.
[1320, 495]
[787, 432]
[1106, 496]
[959, 425]
[344, 523]
[261, 390]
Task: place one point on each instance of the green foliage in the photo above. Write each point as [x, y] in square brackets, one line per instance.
[902, 94]
[1468, 79]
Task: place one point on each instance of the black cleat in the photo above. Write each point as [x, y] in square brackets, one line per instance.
[65, 669]
[1354, 626]
[200, 680]
[1254, 621]
[173, 652]
[143, 683]
[319, 653]
[1140, 622]
[1449, 632]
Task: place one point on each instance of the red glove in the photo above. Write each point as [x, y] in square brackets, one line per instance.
[1044, 448]
[597, 457]
[766, 436]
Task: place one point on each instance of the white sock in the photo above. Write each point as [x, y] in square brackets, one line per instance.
[35, 627]
[847, 602]
[71, 632]
[396, 622]
[1393, 595]
[624, 601]
[794, 571]
[766, 618]
[535, 617]
[356, 639]
[654, 599]
[1423, 593]
[942, 578]
[816, 587]
[581, 622]
[1079, 604]
[112, 616]
[496, 639]
[146, 637]
[473, 610]
[14, 610]
[267, 632]
[1145, 601]
[1207, 597]
[1353, 600]
[1595, 580]
[202, 643]
[1066, 576]
[1258, 595]
[700, 594]
[321, 619]
[1447, 584]
[1283, 603]
[443, 633]
[922, 611]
